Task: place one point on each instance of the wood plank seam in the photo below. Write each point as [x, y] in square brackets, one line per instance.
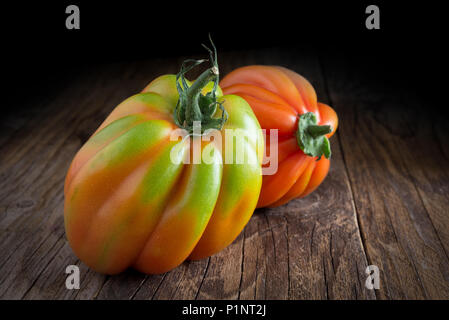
[202, 280]
[288, 259]
[158, 287]
[413, 180]
[138, 287]
[46, 266]
[106, 279]
[242, 265]
[348, 180]
[406, 167]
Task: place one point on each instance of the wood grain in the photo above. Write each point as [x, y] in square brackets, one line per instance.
[392, 162]
[382, 203]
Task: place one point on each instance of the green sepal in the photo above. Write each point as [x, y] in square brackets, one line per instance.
[311, 137]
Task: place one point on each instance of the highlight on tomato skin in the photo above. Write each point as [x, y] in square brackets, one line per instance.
[284, 100]
[131, 201]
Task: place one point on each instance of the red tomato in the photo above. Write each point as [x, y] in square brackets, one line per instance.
[284, 100]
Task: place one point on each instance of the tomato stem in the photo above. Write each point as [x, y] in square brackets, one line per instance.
[193, 111]
[193, 106]
[311, 137]
[316, 130]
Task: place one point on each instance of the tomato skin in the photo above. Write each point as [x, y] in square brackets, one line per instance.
[128, 205]
[278, 96]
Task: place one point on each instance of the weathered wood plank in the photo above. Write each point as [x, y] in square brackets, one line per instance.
[222, 279]
[403, 237]
[429, 167]
[183, 282]
[122, 286]
[149, 287]
[265, 270]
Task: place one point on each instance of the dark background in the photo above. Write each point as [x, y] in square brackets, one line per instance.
[39, 51]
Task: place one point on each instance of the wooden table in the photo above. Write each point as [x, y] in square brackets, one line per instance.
[384, 203]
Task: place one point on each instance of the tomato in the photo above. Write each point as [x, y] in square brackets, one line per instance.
[284, 100]
[128, 204]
